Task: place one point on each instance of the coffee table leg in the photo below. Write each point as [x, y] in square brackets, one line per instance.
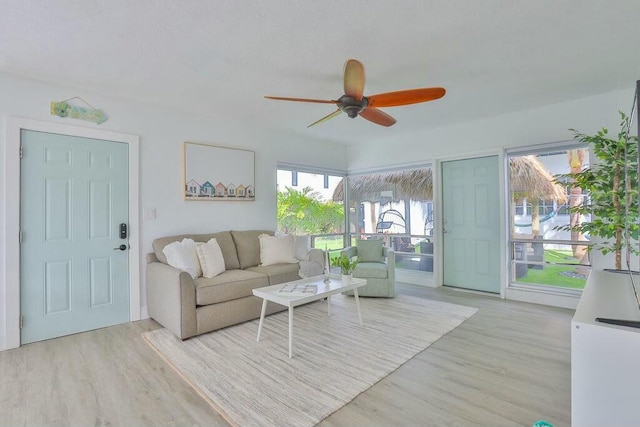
[290, 332]
[329, 305]
[262, 313]
[355, 294]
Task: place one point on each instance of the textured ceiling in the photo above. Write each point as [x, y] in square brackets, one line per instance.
[219, 58]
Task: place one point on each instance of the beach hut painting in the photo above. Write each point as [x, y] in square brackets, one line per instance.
[241, 191]
[231, 190]
[207, 190]
[221, 190]
[232, 169]
[193, 188]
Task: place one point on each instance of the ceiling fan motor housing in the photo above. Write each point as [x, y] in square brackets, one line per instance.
[351, 105]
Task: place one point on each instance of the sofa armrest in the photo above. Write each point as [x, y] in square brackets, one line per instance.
[171, 299]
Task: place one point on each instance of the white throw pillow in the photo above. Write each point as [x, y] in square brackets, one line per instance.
[211, 259]
[183, 256]
[276, 250]
[301, 245]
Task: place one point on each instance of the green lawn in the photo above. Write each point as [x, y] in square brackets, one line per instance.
[333, 244]
[550, 275]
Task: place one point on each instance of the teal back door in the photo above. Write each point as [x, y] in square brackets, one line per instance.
[471, 224]
[73, 197]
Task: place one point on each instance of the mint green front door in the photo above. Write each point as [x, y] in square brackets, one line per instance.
[73, 198]
[471, 224]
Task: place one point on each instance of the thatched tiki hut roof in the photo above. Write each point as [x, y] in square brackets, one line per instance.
[530, 178]
[413, 184]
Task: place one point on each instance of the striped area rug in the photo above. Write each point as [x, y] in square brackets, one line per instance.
[256, 384]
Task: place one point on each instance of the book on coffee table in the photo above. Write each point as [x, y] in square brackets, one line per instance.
[298, 289]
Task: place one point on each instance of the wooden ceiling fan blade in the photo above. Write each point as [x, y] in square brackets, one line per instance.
[354, 79]
[319, 101]
[327, 117]
[406, 97]
[377, 116]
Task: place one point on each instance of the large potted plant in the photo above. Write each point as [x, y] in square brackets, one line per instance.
[612, 185]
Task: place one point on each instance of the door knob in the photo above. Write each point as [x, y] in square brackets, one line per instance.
[121, 248]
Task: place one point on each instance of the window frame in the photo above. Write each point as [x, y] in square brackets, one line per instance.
[512, 283]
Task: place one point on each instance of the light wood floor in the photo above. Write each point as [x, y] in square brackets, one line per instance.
[508, 365]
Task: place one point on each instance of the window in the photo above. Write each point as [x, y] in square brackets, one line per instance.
[397, 205]
[308, 203]
[541, 255]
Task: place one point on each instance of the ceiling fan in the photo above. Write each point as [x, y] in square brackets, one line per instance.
[355, 104]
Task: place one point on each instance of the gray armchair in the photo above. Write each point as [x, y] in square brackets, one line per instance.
[377, 265]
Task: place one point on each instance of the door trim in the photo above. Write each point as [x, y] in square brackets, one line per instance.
[12, 214]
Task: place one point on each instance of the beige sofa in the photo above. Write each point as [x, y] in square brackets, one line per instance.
[189, 307]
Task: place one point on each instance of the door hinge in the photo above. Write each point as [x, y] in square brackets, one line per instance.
[20, 151]
[21, 322]
[20, 236]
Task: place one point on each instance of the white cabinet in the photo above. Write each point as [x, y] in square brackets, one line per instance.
[605, 359]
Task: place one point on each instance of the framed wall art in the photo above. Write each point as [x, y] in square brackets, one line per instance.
[217, 173]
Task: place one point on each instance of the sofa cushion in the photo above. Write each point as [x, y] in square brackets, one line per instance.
[248, 246]
[278, 273]
[370, 250]
[224, 239]
[372, 270]
[227, 246]
[183, 256]
[211, 259]
[276, 250]
[301, 245]
[159, 244]
[230, 285]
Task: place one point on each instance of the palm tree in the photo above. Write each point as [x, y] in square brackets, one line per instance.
[576, 158]
[530, 179]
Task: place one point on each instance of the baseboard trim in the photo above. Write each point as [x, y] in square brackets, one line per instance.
[3, 342]
[542, 297]
[415, 277]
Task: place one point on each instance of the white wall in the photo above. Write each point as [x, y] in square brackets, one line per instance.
[541, 125]
[162, 133]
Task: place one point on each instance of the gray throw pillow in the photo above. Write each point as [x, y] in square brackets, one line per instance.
[370, 250]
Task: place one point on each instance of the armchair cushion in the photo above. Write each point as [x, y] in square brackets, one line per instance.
[373, 270]
[370, 250]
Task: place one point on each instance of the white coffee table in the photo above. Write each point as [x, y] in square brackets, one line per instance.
[270, 293]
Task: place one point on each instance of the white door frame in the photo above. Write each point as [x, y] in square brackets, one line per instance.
[12, 214]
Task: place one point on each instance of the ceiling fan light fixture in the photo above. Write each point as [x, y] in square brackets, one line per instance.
[351, 105]
[354, 104]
